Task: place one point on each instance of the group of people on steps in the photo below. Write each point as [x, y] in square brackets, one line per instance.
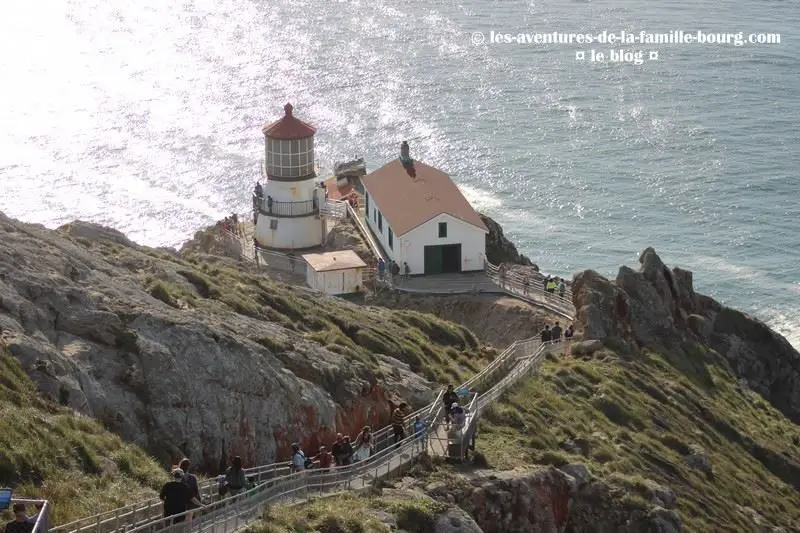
[555, 333]
[181, 495]
[345, 452]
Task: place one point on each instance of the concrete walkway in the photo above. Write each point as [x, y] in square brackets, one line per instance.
[477, 283]
[459, 283]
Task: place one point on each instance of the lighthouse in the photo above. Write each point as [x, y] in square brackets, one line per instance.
[287, 212]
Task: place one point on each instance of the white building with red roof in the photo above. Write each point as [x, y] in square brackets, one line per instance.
[288, 214]
[420, 217]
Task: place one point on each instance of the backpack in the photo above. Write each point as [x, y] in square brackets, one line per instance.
[308, 461]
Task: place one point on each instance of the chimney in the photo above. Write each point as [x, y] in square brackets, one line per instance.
[405, 157]
[288, 109]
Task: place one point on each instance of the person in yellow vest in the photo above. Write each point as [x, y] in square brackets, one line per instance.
[551, 285]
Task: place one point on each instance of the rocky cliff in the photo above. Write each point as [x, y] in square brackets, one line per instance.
[202, 356]
[657, 307]
[681, 409]
[551, 500]
[501, 250]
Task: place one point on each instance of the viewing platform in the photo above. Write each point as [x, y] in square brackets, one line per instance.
[285, 209]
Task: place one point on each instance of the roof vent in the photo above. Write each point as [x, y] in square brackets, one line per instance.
[405, 156]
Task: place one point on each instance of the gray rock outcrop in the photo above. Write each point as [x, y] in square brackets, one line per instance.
[456, 520]
[501, 250]
[175, 381]
[553, 500]
[657, 307]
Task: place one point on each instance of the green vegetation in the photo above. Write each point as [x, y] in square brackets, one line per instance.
[351, 514]
[50, 452]
[633, 420]
[437, 349]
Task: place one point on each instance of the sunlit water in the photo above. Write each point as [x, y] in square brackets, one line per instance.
[146, 116]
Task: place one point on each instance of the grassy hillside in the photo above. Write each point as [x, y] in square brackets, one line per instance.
[49, 452]
[351, 514]
[633, 421]
[441, 351]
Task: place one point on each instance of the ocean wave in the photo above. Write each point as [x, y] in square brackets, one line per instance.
[727, 268]
[786, 323]
[480, 199]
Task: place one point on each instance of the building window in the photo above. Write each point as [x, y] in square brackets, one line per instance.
[290, 159]
[273, 223]
[366, 204]
[442, 230]
[391, 239]
[380, 223]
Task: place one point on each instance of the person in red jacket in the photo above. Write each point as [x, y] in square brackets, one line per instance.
[324, 457]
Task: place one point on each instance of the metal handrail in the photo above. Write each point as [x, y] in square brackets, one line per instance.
[481, 401]
[151, 509]
[337, 208]
[518, 281]
[285, 486]
[559, 304]
[364, 231]
[42, 523]
[534, 275]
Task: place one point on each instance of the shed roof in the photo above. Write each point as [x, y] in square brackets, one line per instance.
[410, 195]
[289, 127]
[337, 193]
[338, 260]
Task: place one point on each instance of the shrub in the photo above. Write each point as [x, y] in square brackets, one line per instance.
[201, 284]
[160, 292]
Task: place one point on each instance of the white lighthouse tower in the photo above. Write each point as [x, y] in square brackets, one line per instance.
[288, 212]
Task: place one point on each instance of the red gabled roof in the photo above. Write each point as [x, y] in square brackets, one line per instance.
[410, 195]
[289, 127]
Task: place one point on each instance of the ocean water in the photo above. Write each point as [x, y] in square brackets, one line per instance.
[146, 117]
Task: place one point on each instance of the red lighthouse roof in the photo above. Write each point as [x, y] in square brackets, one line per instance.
[289, 127]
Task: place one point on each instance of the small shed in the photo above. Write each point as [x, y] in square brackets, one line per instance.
[339, 272]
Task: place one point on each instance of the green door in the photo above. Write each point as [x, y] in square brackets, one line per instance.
[433, 260]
